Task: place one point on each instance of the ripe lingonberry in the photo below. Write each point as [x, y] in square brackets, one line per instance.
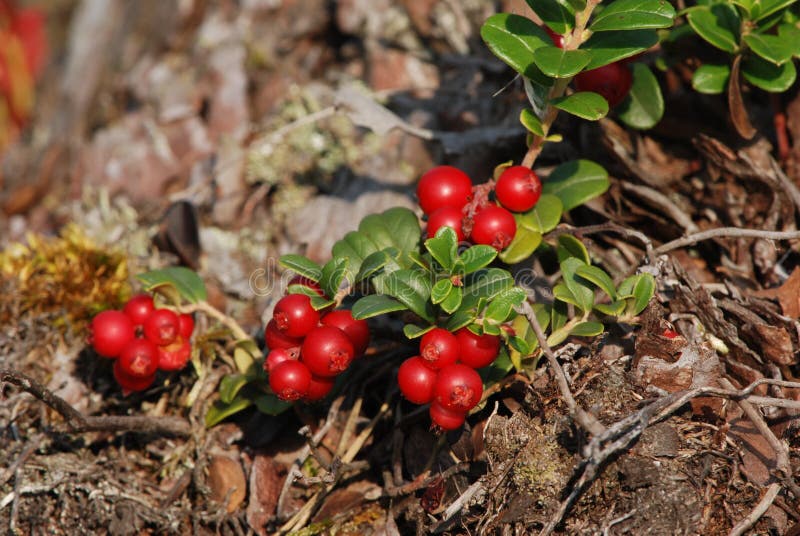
[174, 355]
[185, 325]
[306, 282]
[110, 332]
[139, 358]
[438, 348]
[612, 81]
[357, 330]
[276, 357]
[162, 326]
[446, 217]
[443, 186]
[494, 226]
[295, 316]
[327, 351]
[131, 383]
[458, 387]
[558, 39]
[416, 380]
[318, 388]
[518, 188]
[275, 338]
[139, 308]
[446, 419]
[477, 351]
[290, 380]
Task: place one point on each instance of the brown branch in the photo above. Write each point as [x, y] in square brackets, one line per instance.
[77, 422]
[754, 515]
[726, 232]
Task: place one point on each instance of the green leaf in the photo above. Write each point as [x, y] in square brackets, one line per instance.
[634, 15]
[538, 95]
[532, 123]
[644, 105]
[545, 216]
[502, 305]
[625, 289]
[765, 8]
[413, 289]
[587, 329]
[302, 266]
[790, 34]
[230, 386]
[614, 308]
[412, 332]
[584, 104]
[608, 47]
[440, 290]
[220, 411]
[513, 39]
[558, 315]
[333, 274]
[559, 63]
[466, 313]
[270, 404]
[599, 277]
[443, 247]
[488, 283]
[175, 280]
[246, 354]
[571, 247]
[557, 336]
[492, 329]
[375, 305]
[374, 262]
[576, 182]
[554, 14]
[522, 246]
[711, 79]
[397, 227]
[583, 294]
[768, 76]
[355, 247]
[718, 24]
[452, 301]
[562, 292]
[772, 48]
[476, 257]
[643, 291]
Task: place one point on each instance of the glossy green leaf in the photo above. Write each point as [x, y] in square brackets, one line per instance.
[413, 289]
[522, 246]
[397, 227]
[502, 306]
[412, 331]
[175, 280]
[302, 266]
[562, 293]
[375, 262]
[582, 292]
[790, 33]
[333, 275]
[375, 305]
[634, 15]
[718, 24]
[643, 291]
[608, 47]
[355, 247]
[711, 79]
[558, 315]
[452, 301]
[230, 386]
[614, 308]
[584, 104]
[625, 289]
[559, 63]
[768, 76]
[466, 313]
[644, 105]
[576, 182]
[513, 39]
[531, 122]
[557, 336]
[476, 257]
[772, 48]
[545, 216]
[270, 404]
[554, 14]
[538, 95]
[599, 277]
[571, 247]
[440, 290]
[443, 247]
[488, 283]
[764, 8]
[219, 411]
[587, 329]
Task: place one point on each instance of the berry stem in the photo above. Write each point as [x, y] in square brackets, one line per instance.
[208, 309]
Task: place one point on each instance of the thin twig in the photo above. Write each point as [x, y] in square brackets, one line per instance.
[754, 515]
[205, 307]
[609, 227]
[661, 201]
[726, 232]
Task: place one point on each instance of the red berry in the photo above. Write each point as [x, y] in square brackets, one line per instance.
[558, 39]
[290, 380]
[446, 217]
[477, 351]
[174, 355]
[131, 383]
[494, 226]
[458, 387]
[139, 308]
[356, 330]
[318, 388]
[139, 358]
[518, 188]
[327, 351]
[612, 81]
[110, 332]
[275, 338]
[162, 326]
[438, 348]
[446, 419]
[276, 357]
[443, 186]
[670, 333]
[185, 325]
[306, 282]
[416, 380]
[295, 316]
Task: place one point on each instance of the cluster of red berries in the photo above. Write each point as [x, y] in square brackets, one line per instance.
[142, 339]
[612, 81]
[444, 375]
[445, 195]
[309, 348]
